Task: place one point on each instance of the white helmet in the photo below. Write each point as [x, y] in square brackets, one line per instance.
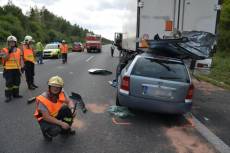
[56, 81]
[11, 38]
[63, 41]
[28, 39]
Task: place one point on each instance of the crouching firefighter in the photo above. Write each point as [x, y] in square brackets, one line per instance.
[12, 60]
[54, 110]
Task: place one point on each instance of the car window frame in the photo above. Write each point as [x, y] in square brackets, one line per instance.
[187, 77]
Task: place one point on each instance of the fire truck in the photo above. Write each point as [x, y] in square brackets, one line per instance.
[93, 43]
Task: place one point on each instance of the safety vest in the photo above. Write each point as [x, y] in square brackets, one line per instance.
[64, 48]
[28, 55]
[143, 43]
[53, 108]
[13, 62]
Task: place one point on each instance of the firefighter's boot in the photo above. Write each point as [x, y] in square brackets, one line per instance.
[16, 93]
[35, 86]
[30, 86]
[32, 83]
[8, 96]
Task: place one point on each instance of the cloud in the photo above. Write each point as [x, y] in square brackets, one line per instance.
[101, 16]
[117, 4]
[46, 2]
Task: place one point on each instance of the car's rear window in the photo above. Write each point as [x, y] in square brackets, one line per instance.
[160, 69]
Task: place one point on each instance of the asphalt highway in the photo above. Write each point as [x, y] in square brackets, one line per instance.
[97, 131]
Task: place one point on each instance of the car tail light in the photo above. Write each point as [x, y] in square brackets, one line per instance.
[200, 65]
[125, 84]
[189, 94]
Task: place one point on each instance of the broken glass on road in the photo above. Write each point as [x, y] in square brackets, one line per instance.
[120, 111]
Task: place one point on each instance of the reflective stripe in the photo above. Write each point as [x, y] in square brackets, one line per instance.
[68, 119]
[15, 87]
[8, 88]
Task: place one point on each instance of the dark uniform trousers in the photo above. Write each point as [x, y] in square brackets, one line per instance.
[13, 81]
[53, 130]
[64, 57]
[29, 73]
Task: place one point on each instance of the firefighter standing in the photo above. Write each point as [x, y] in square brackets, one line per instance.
[54, 110]
[64, 51]
[39, 52]
[112, 49]
[29, 62]
[12, 61]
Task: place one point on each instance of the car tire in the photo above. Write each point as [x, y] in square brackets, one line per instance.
[88, 51]
[117, 102]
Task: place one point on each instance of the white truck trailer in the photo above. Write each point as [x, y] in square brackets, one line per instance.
[146, 18]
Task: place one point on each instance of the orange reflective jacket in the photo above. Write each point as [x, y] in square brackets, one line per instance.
[53, 108]
[13, 62]
[144, 43]
[64, 48]
[28, 55]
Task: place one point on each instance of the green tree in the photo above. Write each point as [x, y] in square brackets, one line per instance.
[224, 27]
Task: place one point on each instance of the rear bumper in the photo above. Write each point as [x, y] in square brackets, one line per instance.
[154, 106]
[77, 49]
[49, 55]
[93, 47]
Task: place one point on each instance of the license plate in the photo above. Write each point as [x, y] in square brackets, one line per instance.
[156, 92]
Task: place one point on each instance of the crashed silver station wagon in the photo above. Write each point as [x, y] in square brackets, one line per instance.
[158, 80]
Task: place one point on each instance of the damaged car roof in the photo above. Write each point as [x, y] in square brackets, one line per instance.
[194, 44]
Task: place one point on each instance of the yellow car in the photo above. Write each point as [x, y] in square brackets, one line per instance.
[52, 51]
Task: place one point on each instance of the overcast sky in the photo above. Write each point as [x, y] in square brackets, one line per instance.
[101, 16]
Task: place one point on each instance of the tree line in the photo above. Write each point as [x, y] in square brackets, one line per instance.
[41, 24]
[44, 26]
[224, 27]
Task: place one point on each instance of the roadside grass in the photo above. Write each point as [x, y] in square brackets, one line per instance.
[220, 71]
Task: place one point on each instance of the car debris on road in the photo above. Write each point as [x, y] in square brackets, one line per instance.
[99, 71]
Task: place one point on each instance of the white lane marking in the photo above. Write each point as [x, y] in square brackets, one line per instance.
[89, 58]
[1, 72]
[211, 137]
